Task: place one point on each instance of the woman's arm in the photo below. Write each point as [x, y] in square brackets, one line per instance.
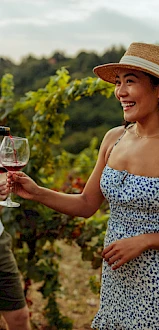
[121, 251]
[151, 241]
[84, 204]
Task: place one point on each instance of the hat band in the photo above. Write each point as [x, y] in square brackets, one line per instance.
[140, 62]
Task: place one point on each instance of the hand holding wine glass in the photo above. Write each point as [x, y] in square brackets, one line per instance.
[14, 154]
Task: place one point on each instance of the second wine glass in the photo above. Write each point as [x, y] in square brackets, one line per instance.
[14, 155]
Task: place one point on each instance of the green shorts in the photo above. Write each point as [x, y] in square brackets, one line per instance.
[11, 291]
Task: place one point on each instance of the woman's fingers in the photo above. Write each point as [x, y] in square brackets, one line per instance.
[113, 259]
[108, 255]
[122, 251]
[107, 250]
[118, 264]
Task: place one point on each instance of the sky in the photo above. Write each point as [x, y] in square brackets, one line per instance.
[42, 27]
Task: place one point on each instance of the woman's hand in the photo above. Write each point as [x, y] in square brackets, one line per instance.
[124, 250]
[22, 185]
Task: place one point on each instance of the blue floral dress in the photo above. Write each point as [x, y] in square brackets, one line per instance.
[130, 294]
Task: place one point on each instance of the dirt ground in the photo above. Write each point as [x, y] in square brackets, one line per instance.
[76, 299]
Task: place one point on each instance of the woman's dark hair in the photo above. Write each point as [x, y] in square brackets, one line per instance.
[126, 123]
[154, 80]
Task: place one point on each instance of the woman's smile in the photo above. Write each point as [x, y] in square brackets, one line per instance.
[126, 105]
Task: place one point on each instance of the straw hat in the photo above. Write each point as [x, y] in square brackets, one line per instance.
[139, 56]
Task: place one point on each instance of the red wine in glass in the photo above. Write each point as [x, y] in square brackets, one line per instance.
[14, 155]
[14, 167]
[4, 131]
[2, 170]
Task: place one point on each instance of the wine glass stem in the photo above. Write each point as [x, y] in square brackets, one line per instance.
[8, 200]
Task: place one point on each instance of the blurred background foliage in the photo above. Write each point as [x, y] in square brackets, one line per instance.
[100, 113]
[65, 114]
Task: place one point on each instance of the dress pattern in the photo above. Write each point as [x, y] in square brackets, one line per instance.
[130, 294]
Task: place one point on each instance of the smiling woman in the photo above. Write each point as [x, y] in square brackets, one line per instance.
[127, 175]
[130, 88]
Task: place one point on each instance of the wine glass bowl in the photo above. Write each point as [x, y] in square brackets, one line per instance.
[14, 155]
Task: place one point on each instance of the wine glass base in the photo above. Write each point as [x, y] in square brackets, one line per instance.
[9, 203]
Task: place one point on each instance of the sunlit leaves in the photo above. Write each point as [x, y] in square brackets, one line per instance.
[7, 96]
[34, 223]
[49, 111]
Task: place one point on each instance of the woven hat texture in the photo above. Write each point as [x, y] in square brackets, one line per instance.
[139, 56]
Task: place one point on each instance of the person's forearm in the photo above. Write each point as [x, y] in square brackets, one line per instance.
[151, 241]
[72, 204]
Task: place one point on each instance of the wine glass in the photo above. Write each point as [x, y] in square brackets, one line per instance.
[14, 155]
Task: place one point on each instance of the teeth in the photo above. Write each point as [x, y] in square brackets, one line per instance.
[129, 104]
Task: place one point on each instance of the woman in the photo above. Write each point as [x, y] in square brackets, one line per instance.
[127, 175]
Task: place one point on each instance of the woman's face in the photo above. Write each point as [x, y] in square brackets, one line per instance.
[138, 98]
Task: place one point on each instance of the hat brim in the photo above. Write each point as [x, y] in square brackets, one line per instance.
[108, 72]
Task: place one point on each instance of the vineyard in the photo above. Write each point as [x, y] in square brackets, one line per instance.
[39, 234]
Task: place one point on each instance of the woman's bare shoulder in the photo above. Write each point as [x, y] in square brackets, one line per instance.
[113, 134]
[110, 139]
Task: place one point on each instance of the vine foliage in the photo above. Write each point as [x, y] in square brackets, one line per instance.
[41, 116]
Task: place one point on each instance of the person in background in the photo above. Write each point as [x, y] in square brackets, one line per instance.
[127, 175]
[12, 301]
